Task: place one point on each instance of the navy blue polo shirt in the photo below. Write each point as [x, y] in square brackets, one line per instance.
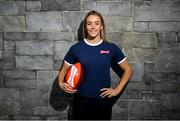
[96, 60]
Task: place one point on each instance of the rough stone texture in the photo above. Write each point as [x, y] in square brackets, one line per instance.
[44, 21]
[36, 34]
[149, 109]
[34, 62]
[70, 5]
[1, 40]
[20, 36]
[34, 48]
[33, 5]
[12, 7]
[61, 48]
[118, 24]
[65, 36]
[12, 23]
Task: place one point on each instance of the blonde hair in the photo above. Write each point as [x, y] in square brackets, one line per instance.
[103, 30]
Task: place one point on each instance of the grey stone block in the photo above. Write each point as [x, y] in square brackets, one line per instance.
[164, 26]
[168, 63]
[130, 95]
[170, 114]
[9, 45]
[118, 24]
[20, 83]
[141, 54]
[139, 40]
[9, 107]
[67, 36]
[45, 80]
[9, 94]
[149, 67]
[115, 8]
[120, 110]
[72, 20]
[8, 64]
[138, 86]
[114, 37]
[48, 111]
[141, 26]
[27, 117]
[175, 5]
[175, 16]
[33, 6]
[1, 40]
[57, 64]
[71, 5]
[145, 109]
[164, 82]
[151, 95]
[34, 62]
[61, 48]
[152, 15]
[19, 74]
[1, 77]
[1, 54]
[8, 54]
[12, 23]
[33, 98]
[44, 21]
[12, 7]
[34, 47]
[165, 86]
[88, 5]
[138, 72]
[20, 36]
[143, 5]
[165, 37]
[0, 64]
[170, 101]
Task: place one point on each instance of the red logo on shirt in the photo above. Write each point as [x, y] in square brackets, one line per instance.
[104, 52]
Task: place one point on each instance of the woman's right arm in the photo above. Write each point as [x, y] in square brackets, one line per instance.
[64, 86]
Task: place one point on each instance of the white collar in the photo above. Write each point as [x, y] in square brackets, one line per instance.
[95, 44]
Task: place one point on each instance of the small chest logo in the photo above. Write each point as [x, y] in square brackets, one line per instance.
[104, 51]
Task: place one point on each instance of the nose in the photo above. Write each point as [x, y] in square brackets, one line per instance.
[93, 26]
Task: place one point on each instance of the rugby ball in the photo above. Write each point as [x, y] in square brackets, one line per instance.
[74, 75]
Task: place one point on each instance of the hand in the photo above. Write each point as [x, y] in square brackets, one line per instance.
[110, 92]
[67, 88]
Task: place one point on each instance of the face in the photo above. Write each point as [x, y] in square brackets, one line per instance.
[93, 26]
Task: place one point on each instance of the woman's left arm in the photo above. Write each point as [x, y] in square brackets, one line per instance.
[110, 92]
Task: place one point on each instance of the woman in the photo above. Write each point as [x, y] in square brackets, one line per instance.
[92, 99]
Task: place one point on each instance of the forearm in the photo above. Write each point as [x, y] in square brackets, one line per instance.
[124, 80]
[61, 75]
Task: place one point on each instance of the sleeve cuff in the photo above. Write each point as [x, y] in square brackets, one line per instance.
[68, 63]
[122, 60]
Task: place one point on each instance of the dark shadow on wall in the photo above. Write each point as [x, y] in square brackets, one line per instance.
[59, 99]
[80, 32]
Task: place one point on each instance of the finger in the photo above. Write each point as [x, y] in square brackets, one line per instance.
[104, 94]
[104, 89]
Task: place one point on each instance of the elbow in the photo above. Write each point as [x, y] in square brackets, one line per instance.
[129, 71]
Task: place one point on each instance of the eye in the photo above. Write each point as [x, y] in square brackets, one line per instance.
[97, 23]
[88, 23]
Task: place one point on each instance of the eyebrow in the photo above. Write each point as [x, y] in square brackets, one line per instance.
[95, 22]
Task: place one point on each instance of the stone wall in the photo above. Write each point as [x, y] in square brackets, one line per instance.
[35, 35]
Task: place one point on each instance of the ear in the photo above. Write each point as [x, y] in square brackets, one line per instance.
[101, 27]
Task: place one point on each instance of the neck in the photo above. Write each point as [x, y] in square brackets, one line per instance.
[93, 40]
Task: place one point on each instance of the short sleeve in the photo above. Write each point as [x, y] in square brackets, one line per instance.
[70, 57]
[118, 56]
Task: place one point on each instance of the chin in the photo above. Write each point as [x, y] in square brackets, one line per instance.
[93, 35]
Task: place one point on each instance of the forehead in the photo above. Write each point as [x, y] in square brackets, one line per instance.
[93, 18]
